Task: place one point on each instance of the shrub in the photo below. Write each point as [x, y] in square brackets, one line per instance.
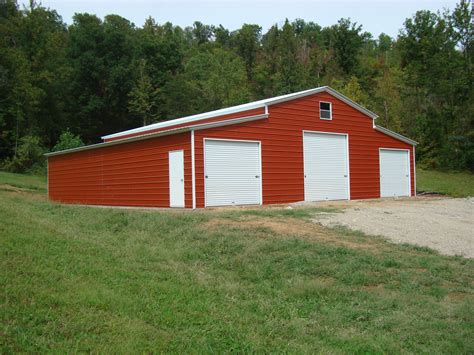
[29, 157]
[67, 140]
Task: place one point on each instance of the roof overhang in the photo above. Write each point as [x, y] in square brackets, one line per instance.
[395, 135]
[162, 133]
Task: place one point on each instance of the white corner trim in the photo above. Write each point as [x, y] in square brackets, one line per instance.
[414, 170]
[193, 169]
[47, 178]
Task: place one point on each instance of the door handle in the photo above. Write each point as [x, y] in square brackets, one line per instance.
[206, 176]
[182, 180]
[257, 176]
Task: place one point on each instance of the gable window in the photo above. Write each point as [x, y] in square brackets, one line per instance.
[325, 110]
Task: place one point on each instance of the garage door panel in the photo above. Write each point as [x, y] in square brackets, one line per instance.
[394, 173]
[232, 172]
[326, 167]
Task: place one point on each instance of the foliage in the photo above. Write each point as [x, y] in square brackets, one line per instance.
[67, 140]
[144, 98]
[29, 156]
[128, 281]
[98, 76]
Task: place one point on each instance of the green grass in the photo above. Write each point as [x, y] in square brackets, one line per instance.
[456, 184]
[30, 182]
[75, 278]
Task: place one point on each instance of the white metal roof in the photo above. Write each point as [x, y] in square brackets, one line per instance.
[249, 106]
[395, 135]
[165, 132]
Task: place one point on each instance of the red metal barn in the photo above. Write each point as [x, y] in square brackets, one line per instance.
[312, 145]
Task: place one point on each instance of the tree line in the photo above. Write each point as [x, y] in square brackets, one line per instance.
[74, 83]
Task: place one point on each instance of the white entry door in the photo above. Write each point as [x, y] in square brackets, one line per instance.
[232, 172]
[326, 175]
[394, 173]
[176, 174]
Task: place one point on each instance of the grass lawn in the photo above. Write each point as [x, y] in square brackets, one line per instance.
[454, 184]
[266, 280]
[30, 182]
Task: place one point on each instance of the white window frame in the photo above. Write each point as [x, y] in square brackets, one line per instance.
[330, 110]
[232, 140]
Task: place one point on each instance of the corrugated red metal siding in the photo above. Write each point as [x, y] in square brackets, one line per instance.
[282, 147]
[136, 173]
[257, 111]
[130, 174]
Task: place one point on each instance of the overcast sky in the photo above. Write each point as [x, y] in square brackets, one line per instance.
[376, 16]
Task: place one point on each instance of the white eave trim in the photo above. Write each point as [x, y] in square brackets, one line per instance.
[245, 107]
[163, 133]
[395, 135]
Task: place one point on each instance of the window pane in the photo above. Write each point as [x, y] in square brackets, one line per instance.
[325, 106]
[325, 114]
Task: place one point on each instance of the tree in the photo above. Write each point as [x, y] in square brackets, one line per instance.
[144, 97]
[67, 140]
[247, 42]
[202, 33]
[222, 36]
[33, 73]
[346, 39]
[437, 91]
[353, 90]
[289, 77]
[29, 157]
[219, 78]
[98, 76]
[388, 100]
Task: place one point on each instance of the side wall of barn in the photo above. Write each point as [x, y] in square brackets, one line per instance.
[129, 174]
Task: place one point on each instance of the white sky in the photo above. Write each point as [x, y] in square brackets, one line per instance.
[375, 16]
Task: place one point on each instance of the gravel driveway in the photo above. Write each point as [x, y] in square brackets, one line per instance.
[446, 225]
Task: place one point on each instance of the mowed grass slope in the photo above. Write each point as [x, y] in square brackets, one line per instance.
[456, 184]
[267, 280]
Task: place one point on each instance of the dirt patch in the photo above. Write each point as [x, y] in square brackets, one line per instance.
[456, 296]
[10, 188]
[288, 228]
[277, 225]
[443, 224]
[13, 191]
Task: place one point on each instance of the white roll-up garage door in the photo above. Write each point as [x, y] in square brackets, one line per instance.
[232, 172]
[394, 173]
[326, 166]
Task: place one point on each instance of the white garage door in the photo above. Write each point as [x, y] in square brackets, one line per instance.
[325, 167]
[394, 173]
[232, 172]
